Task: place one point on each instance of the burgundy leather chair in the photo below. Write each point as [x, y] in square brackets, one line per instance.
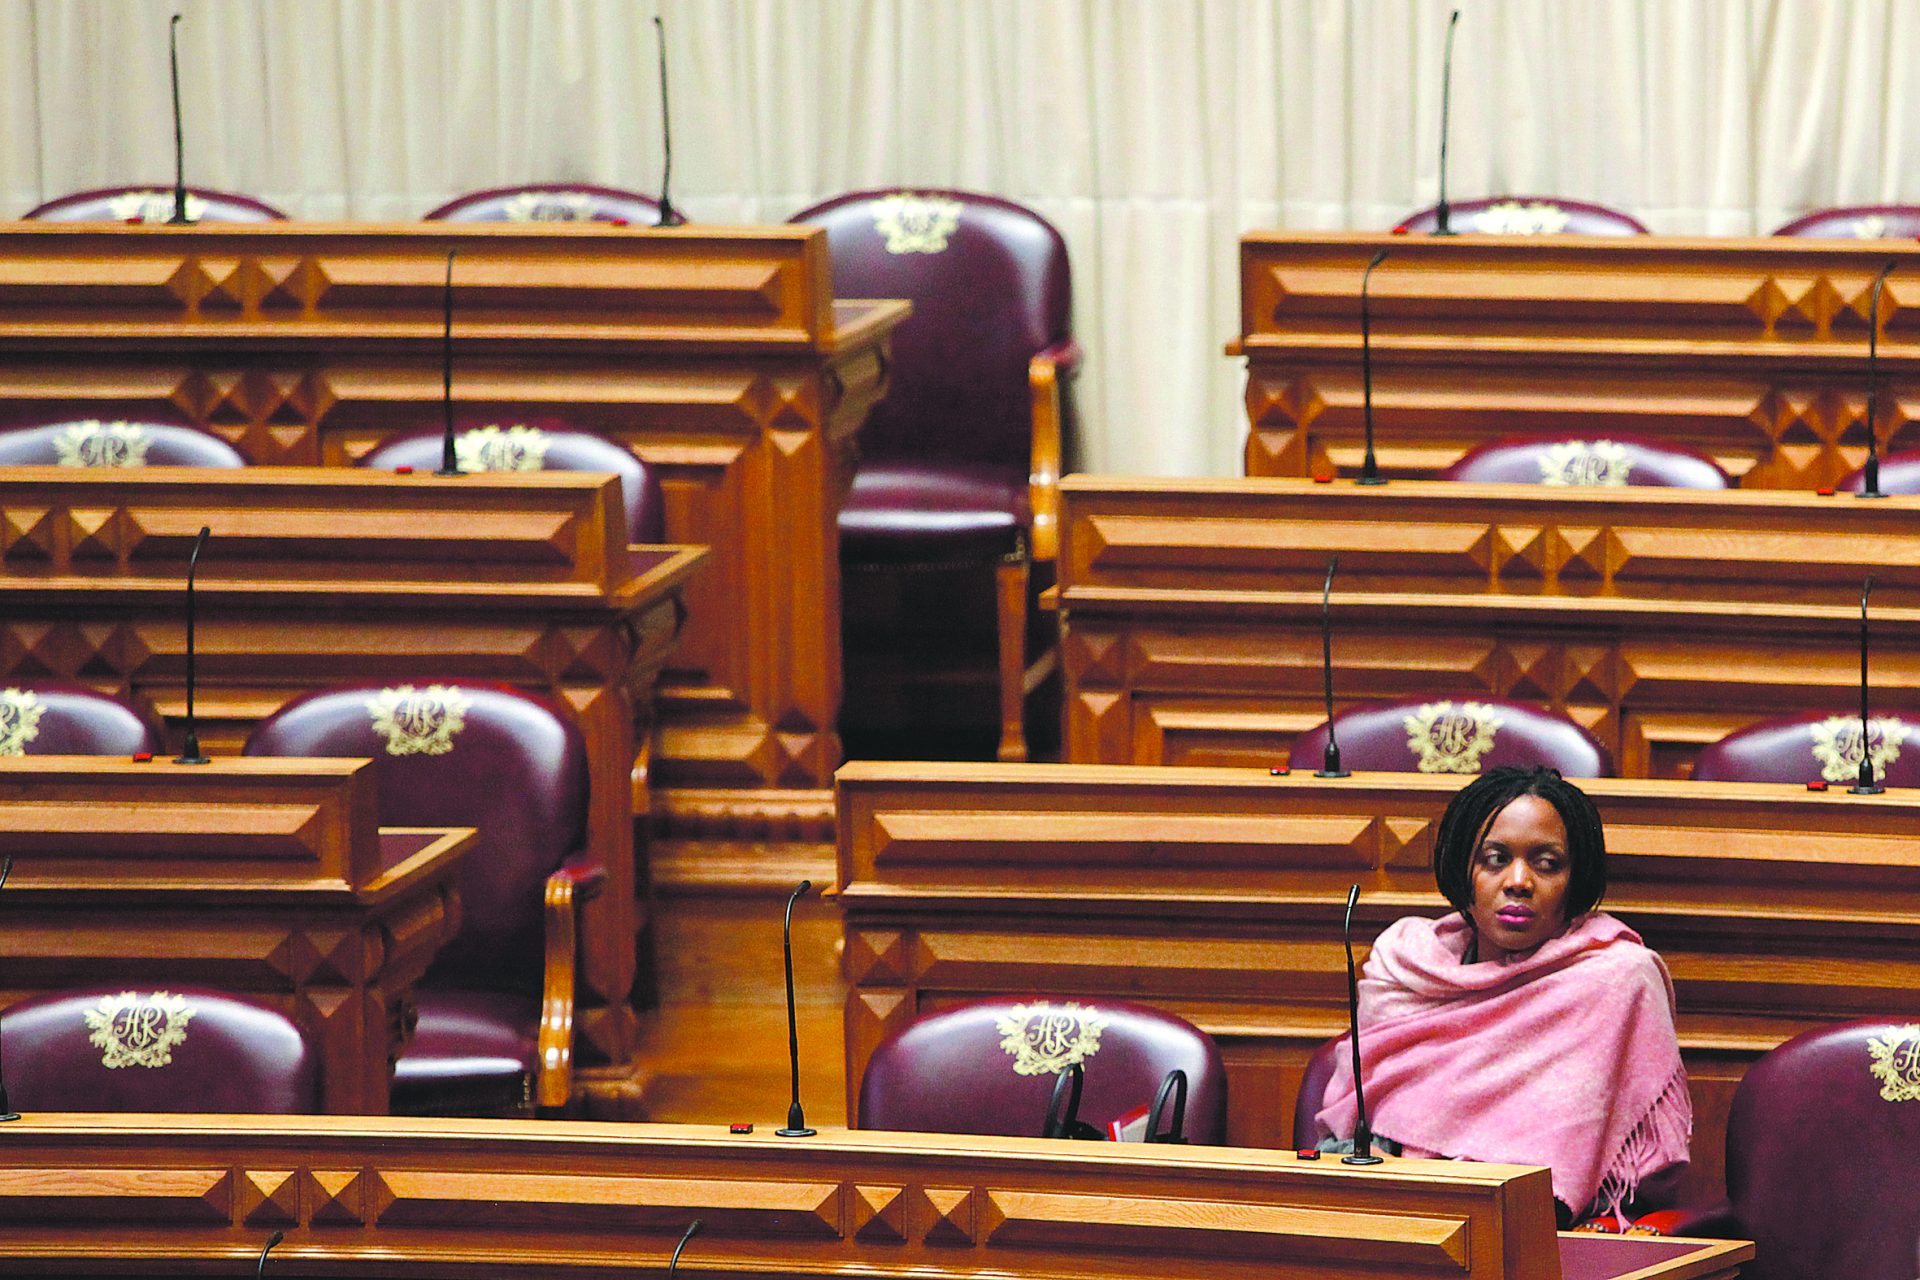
[154, 204]
[93, 443]
[54, 718]
[1588, 460]
[960, 463]
[553, 202]
[1815, 747]
[989, 1066]
[1820, 1142]
[514, 767]
[111, 1048]
[1899, 473]
[1528, 215]
[1858, 222]
[543, 445]
[1454, 735]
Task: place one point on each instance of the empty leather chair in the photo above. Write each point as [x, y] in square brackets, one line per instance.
[1528, 215]
[1445, 735]
[513, 766]
[1313, 1088]
[93, 443]
[553, 202]
[1587, 461]
[989, 1066]
[1899, 473]
[1819, 1143]
[55, 718]
[960, 462]
[113, 1047]
[1858, 222]
[544, 445]
[154, 204]
[1816, 747]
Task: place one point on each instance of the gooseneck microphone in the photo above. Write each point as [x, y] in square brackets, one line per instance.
[1362, 1131]
[272, 1240]
[1369, 469]
[1330, 759]
[796, 1118]
[6, 1108]
[1866, 786]
[673, 1264]
[179, 217]
[1870, 480]
[190, 748]
[669, 216]
[1174, 1087]
[1443, 212]
[449, 456]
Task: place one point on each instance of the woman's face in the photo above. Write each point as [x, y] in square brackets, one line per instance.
[1520, 877]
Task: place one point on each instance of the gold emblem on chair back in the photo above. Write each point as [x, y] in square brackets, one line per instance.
[1896, 1063]
[1044, 1039]
[915, 224]
[493, 448]
[135, 1030]
[419, 721]
[1836, 746]
[1446, 737]
[1585, 463]
[20, 712]
[1512, 218]
[102, 444]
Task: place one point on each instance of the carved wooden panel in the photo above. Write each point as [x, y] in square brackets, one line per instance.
[480, 1198]
[1752, 351]
[1218, 895]
[1660, 619]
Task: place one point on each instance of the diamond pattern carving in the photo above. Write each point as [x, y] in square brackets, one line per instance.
[876, 955]
[27, 535]
[269, 1199]
[1814, 308]
[1767, 302]
[349, 1198]
[879, 1214]
[953, 1215]
[189, 283]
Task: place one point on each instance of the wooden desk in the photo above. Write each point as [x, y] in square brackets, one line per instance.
[1752, 350]
[489, 1198]
[260, 876]
[718, 354]
[1218, 894]
[1661, 619]
[318, 576]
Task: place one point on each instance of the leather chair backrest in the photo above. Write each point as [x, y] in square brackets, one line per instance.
[1587, 461]
[551, 202]
[115, 1048]
[1454, 735]
[51, 718]
[540, 445]
[989, 285]
[1858, 222]
[154, 204]
[1820, 1144]
[1899, 473]
[1528, 215]
[1816, 747]
[92, 443]
[989, 1067]
[1313, 1088]
[462, 755]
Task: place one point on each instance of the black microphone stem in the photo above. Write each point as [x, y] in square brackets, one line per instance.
[272, 1240]
[1330, 758]
[6, 1108]
[1362, 1131]
[673, 1264]
[1443, 213]
[190, 748]
[449, 455]
[669, 217]
[1870, 480]
[1369, 469]
[1866, 785]
[796, 1118]
[179, 217]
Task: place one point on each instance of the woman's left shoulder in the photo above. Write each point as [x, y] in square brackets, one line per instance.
[1615, 945]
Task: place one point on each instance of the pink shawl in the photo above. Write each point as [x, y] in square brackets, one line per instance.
[1563, 1056]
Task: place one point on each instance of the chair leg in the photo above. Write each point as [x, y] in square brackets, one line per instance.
[1011, 579]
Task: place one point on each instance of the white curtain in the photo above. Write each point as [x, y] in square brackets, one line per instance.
[1152, 132]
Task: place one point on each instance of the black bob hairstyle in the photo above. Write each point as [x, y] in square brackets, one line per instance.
[1475, 806]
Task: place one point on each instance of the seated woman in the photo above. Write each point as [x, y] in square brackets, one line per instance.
[1526, 1027]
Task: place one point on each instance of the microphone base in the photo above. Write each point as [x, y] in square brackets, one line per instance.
[1875, 494]
[795, 1133]
[192, 760]
[1337, 773]
[1363, 1160]
[1858, 790]
[1370, 480]
[455, 472]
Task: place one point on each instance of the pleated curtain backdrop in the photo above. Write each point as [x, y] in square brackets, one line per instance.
[1153, 132]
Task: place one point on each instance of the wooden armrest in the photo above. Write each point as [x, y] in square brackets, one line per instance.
[576, 883]
[1044, 373]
